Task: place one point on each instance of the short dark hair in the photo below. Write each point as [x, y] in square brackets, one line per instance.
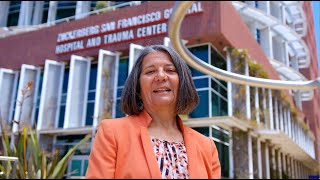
[187, 99]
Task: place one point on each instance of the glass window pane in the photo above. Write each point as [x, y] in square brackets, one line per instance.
[85, 167]
[91, 95]
[224, 108]
[13, 19]
[123, 71]
[215, 104]
[216, 134]
[93, 76]
[76, 167]
[202, 130]
[202, 53]
[61, 116]
[36, 115]
[201, 83]
[223, 152]
[119, 92]
[65, 81]
[90, 111]
[202, 110]
[217, 60]
[118, 110]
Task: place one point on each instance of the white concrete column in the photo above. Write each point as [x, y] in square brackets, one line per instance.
[250, 159]
[229, 86]
[278, 51]
[25, 13]
[257, 105]
[253, 29]
[284, 163]
[267, 161]
[264, 104]
[266, 41]
[4, 12]
[285, 120]
[293, 169]
[82, 8]
[279, 164]
[297, 98]
[270, 109]
[300, 137]
[276, 113]
[286, 54]
[248, 106]
[297, 133]
[38, 13]
[296, 168]
[299, 170]
[231, 166]
[259, 158]
[275, 10]
[294, 131]
[289, 123]
[52, 12]
[294, 63]
[281, 117]
[289, 168]
[283, 14]
[273, 159]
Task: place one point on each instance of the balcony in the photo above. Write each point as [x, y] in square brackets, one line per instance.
[297, 46]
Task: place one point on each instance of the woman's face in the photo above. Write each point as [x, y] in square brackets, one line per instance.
[159, 81]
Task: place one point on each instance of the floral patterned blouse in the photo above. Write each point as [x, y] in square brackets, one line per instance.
[172, 158]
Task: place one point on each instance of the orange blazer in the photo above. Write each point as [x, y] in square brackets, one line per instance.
[122, 148]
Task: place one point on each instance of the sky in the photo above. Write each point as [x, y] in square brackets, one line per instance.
[316, 16]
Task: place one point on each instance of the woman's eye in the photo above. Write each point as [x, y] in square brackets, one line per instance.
[149, 72]
[171, 70]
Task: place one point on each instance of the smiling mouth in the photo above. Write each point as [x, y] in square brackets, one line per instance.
[161, 90]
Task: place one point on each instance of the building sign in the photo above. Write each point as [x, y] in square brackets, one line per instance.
[119, 31]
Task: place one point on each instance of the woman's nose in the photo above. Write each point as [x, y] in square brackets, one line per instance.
[161, 76]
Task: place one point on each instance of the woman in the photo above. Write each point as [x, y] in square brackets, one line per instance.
[152, 142]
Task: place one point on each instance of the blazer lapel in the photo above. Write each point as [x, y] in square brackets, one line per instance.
[144, 119]
[149, 153]
[191, 154]
[191, 150]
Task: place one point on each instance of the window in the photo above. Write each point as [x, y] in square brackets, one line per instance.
[258, 36]
[212, 92]
[122, 76]
[63, 98]
[38, 99]
[79, 161]
[221, 138]
[202, 110]
[65, 142]
[13, 16]
[203, 130]
[66, 9]
[91, 94]
[202, 53]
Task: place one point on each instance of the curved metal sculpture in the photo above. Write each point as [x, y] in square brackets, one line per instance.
[178, 14]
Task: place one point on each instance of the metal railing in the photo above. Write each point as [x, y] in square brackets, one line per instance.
[13, 30]
[8, 158]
